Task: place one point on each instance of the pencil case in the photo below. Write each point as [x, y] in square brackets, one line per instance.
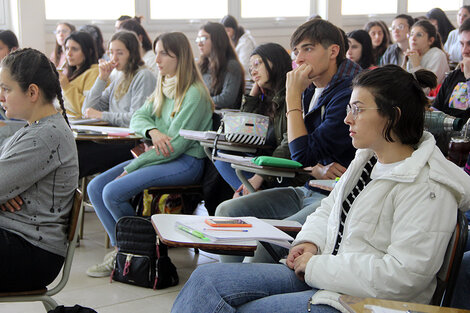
[248, 128]
[275, 162]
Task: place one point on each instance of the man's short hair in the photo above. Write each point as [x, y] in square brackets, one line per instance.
[465, 27]
[410, 20]
[322, 32]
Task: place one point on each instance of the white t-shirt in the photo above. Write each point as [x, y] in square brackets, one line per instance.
[315, 97]
[381, 169]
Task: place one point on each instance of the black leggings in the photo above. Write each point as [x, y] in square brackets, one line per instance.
[24, 266]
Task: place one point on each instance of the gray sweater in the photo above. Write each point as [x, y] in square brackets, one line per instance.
[231, 95]
[119, 113]
[40, 164]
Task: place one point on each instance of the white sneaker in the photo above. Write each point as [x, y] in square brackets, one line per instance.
[105, 268]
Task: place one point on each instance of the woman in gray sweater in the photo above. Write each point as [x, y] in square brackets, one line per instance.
[221, 71]
[39, 173]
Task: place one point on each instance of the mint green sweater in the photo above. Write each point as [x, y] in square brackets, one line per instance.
[195, 114]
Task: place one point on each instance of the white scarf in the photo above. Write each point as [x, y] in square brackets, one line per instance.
[169, 87]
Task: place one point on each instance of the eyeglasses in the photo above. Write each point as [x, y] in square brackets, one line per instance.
[62, 31]
[201, 40]
[399, 27]
[418, 34]
[355, 110]
[255, 65]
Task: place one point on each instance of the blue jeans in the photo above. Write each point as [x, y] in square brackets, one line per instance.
[245, 288]
[290, 203]
[461, 296]
[110, 197]
[228, 174]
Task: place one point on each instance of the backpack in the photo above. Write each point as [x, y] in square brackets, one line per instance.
[141, 259]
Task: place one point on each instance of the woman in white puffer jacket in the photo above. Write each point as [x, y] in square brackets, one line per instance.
[383, 230]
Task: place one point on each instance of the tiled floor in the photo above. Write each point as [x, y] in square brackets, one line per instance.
[106, 297]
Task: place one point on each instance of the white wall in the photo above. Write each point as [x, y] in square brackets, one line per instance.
[27, 19]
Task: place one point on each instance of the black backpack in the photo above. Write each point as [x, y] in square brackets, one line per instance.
[141, 259]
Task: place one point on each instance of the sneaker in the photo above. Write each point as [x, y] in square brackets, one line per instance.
[105, 268]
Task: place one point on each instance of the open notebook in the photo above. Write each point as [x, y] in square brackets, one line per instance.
[260, 231]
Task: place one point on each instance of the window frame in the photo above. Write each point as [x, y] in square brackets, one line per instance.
[142, 8]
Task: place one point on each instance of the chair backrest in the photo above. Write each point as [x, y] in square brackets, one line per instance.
[73, 219]
[447, 275]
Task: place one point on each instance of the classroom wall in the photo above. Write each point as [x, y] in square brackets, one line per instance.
[27, 19]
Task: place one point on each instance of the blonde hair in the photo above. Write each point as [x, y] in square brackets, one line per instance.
[187, 73]
[134, 62]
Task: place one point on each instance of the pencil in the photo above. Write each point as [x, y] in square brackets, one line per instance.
[239, 230]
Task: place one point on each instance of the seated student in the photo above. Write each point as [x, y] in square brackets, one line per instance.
[146, 51]
[180, 101]
[82, 71]
[319, 86]
[8, 43]
[452, 45]
[380, 37]
[39, 174]
[269, 65]
[382, 232]
[243, 42]
[395, 54]
[97, 36]
[115, 103]
[63, 30]
[219, 65]
[453, 97]
[441, 22]
[360, 48]
[425, 51]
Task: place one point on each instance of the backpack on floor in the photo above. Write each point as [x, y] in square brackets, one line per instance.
[141, 259]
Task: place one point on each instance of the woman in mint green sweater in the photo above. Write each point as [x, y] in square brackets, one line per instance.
[180, 100]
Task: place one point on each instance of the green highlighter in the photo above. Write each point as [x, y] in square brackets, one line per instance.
[195, 233]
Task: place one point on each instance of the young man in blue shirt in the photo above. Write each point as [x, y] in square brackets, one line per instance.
[317, 93]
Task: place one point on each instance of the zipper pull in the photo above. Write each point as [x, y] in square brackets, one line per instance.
[309, 304]
[127, 265]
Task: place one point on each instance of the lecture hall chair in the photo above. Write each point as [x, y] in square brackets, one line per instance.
[45, 295]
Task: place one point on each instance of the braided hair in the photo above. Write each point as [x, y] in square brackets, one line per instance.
[30, 66]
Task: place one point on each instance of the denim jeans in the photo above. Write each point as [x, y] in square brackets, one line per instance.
[290, 203]
[461, 296]
[228, 174]
[257, 288]
[110, 197]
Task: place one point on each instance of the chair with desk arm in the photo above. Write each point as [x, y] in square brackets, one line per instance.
[45, 295]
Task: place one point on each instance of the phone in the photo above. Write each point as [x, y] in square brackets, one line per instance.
[227, 222]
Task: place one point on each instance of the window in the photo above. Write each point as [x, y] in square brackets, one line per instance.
[188, 9]
[368, 7]
[425, 6]
[274, 8]
[88, 9]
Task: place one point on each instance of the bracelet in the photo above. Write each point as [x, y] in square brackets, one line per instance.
[288, 111]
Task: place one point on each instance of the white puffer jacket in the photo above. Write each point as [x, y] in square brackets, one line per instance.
[396, 232]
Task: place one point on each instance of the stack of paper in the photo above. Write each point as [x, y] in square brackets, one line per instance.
[260, 231]
[198, 135]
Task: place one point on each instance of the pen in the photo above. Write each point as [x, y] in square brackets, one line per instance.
[239, 230]
[195, 233]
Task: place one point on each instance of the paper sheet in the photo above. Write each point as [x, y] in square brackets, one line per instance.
[380, 309]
